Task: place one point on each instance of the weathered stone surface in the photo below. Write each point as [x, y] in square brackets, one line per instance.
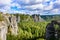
[18, 18]
[11, 21]
[6, 19]
[41, 19]
[37, 18]
[14, 25]
[3, 30]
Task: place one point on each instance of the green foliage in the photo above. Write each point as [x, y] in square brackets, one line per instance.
[32, 29]
[56, 26]
[40, 39]
[29, 30]
[23, 17]
[11, 37]
[1, 17]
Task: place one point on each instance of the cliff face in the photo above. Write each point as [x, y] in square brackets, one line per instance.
[3, 30]
[10, 21]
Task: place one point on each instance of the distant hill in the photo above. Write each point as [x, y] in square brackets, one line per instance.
[50, 17]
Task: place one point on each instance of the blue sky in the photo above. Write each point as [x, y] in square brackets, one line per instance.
[43, 7]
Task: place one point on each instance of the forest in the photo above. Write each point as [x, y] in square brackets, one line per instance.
[29, 29]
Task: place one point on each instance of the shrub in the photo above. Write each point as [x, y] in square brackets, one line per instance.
[1, 17]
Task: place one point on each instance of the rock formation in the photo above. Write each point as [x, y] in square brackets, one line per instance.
[14, 26]
[10, 21]
[37, 18]
[3, 30]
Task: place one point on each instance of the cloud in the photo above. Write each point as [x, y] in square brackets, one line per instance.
[56, 5]
[30, 6]
[39, 1]
[55, 11]
[5, 1]
[48, 7]
[37, 6]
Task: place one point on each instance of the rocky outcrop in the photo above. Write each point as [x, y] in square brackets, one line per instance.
[3, 30]
[14, 26]
[10, 21]
[37, 18]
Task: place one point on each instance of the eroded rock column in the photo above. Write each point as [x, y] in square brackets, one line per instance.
[14, 26]
[3, 31]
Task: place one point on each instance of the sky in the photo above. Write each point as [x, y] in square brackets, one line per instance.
[42, 7]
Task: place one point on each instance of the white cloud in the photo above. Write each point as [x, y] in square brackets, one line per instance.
[23, 1]
[27, 1]
[48, 7]
[15, 4]
[39, 6]
[32, 1]
[55, 11]
[39, 0]
[46, 0]
[58, 1]
[5, 1]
